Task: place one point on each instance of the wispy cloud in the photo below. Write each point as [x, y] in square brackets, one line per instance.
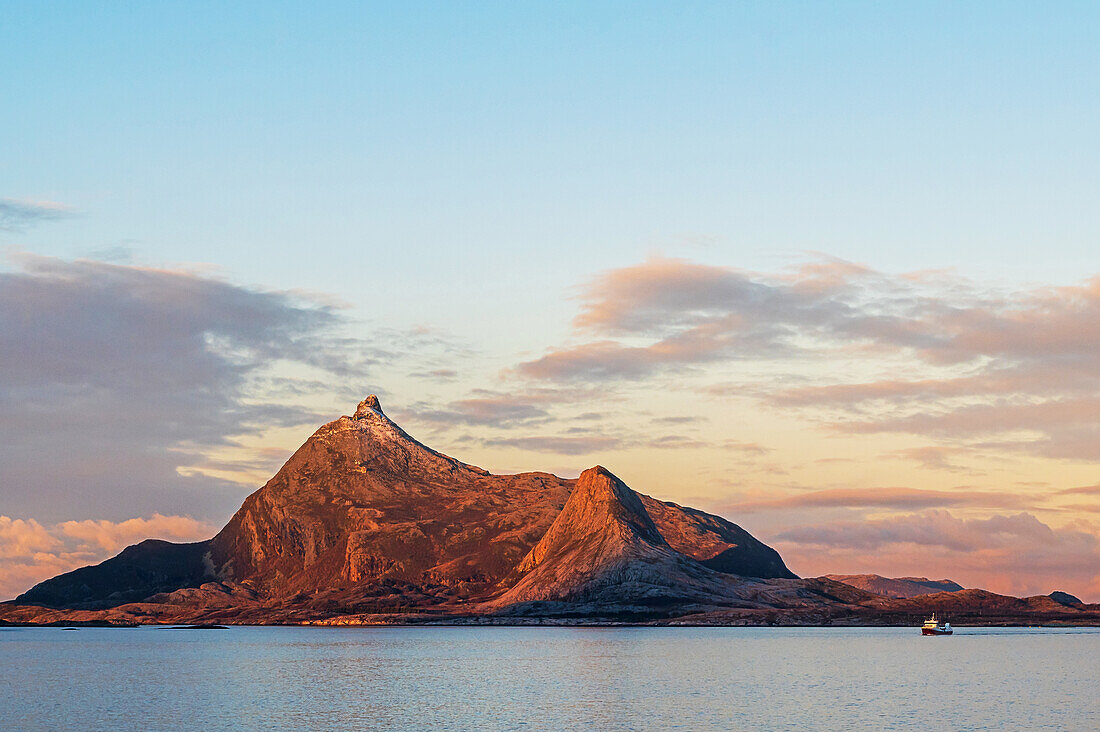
[679, 419]
[746, 448]
[19, 215]
[1084, 490]
[935, 457]
[888, 497]
[486, 407]
[686, 313]
[994, 363]
[557, 444]
[676, 442]
[436, 374]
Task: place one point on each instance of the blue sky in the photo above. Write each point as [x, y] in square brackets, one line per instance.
[450, 186]
[304, 147]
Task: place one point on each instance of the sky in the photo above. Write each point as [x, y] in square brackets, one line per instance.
[828, 270]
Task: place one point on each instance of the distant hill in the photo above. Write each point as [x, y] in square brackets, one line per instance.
[1064, 598]
[899, 588]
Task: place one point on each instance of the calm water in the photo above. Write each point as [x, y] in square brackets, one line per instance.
[548, 678]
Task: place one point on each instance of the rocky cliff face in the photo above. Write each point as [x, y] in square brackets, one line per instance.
[362, 514]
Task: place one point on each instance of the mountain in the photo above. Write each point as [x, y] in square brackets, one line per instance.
[896, 587]
[364, 518]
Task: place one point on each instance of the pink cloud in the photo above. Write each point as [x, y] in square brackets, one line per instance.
[999, 362]
[602, 360]
[934, 457]
[898, 498]
[32, 552]
[898, 391]
[111, 536]
[24, 537]
[496, 408]
[1088, 490]
[675, 442]
[746, 448]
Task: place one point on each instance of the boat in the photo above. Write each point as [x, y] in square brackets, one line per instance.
[934, 626]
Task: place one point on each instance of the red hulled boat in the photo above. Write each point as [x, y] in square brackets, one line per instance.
[933, 626]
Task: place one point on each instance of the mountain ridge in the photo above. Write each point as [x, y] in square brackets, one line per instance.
[899, 588]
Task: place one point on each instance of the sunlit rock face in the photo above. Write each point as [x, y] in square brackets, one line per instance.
[605, 549]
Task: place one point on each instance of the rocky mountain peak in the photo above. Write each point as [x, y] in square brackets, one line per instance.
[600, 496]
[602, 520]
[604, 547]
[368, 406]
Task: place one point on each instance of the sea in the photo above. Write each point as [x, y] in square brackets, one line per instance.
[548, 678]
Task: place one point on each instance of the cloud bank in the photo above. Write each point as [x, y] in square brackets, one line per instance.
[117, 377]
[31, 551]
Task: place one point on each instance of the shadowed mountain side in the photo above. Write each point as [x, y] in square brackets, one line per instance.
[714, 542]
[1064, 598]
[135, 573]
[896, 587]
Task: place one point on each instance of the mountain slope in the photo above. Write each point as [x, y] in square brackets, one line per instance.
[714, 542]
[1064, 598]
[962, 603]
